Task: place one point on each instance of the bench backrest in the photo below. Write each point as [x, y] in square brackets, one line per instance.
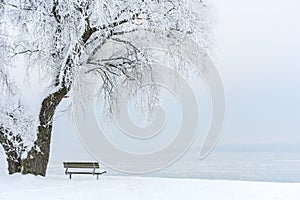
[92, 165]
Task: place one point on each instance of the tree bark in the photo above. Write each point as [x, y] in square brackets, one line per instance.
[13, 155]
[37, 159]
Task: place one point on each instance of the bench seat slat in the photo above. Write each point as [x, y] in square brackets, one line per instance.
[87, 172]
[81, 165]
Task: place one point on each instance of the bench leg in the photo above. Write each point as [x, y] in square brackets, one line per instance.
[97, 176]
[70, 176]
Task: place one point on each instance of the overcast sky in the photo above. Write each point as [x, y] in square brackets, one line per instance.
[258, 46]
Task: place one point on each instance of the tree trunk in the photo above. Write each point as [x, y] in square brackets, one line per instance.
[13, 155]
[14, 165]
[37, 159]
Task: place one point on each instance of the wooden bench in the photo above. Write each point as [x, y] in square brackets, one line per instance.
[82, 165]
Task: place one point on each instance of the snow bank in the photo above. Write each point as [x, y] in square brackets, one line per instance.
[140, 188]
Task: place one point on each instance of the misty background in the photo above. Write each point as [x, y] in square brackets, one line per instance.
[258, 56]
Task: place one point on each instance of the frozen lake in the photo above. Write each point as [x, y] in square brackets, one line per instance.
[269, 167]
[258, 166]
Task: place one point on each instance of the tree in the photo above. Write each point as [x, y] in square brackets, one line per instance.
[60, 37]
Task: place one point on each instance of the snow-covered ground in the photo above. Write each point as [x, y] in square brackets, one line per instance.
[273, 176]
[116, 187]
[236, 169]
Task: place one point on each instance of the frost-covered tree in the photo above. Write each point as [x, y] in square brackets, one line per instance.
[16, 126]
[16, 129]
[61, 36]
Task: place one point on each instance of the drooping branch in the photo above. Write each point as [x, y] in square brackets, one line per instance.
[25, 7]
